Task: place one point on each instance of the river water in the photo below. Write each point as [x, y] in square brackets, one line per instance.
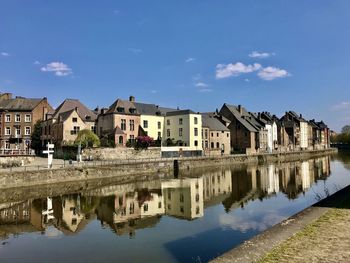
[185, 219]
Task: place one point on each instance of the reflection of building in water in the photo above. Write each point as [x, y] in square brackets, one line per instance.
[244, 187]
[15, 213]
[137, 204]
[269, 179]
[216, 183]
[67, 211]
[183, 197]
[297, 177]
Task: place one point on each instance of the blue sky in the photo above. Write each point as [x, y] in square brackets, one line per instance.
[272, 55]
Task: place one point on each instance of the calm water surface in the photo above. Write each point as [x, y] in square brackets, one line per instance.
[168, 220]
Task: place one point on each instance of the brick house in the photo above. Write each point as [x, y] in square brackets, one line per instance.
[18, 117]
[119, 123]
[248, 135]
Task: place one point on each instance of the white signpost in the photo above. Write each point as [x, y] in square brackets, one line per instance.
[49, 153]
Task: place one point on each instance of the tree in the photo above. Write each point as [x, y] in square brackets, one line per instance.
[87, 138]
[35, 137]
[346, 129]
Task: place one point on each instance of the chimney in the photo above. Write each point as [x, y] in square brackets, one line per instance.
[103, 110]
[240, 109]
[76, 109]
[301, 116]
[132, 99]
[259, 116]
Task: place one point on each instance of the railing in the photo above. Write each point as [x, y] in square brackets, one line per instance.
[119, 162]
[16, 152]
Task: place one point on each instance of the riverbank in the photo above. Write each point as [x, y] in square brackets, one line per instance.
[317, 234]
[132, 169]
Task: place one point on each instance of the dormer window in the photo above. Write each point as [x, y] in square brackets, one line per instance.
[120, 109]
[87, 117]
[132, 110]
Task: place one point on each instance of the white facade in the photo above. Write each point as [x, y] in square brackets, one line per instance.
[304, 134]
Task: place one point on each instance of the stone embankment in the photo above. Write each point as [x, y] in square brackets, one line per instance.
[137, 168]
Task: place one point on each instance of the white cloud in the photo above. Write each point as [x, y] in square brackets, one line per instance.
[135, 50]
[345, 105]
[205, 90]
[256, 54]
[5, 54]
[188, 60]
[58, 68]
[271, 73]
[201, 85]
[234, 70]
[36, 62]
[246, 80]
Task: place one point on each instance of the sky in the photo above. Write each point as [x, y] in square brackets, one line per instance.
[267, 55]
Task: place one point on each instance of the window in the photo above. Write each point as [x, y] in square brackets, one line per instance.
[217, 145]
[28, 118]
[206, 145]
[17, 131]
[74, 120]
[159, 135]
[169, 195]
[168, 132]
[180, 121]
[123, 125]
[7, 118]
[7, 131]
[212, 134]
[195, 131]
[197, 197]
[76, 130]
[7, 145]
[160, 205]
[145, 208]
[182, 209]
[212, 145]
[93, 129]
[180, 132]
[195, 120]
[18, 118]
[121, 140]
[27, 131]
[206, 134]
[228, 134]
[159, 125]
[169, 206]
[217, 134]
[181, 198]
[197, 210]
[167, 122]
[195, 143]
[132, 138]
[145, 124]
[132, 125]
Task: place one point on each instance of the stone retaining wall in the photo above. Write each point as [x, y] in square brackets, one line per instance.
[134, 170]
[120, 153]
[13, 161]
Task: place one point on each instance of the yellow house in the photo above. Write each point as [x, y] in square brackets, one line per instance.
[183, 127]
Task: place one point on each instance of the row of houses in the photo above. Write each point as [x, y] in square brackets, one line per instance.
[230, 129]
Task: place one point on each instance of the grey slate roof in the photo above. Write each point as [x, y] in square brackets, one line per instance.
[212, 123]
[70, 104]
[179, 112]
[19, 103]
[242, 118]
[129, 107]
[147, 109]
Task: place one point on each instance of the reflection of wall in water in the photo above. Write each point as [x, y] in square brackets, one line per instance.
[183, 197]
[269, 179]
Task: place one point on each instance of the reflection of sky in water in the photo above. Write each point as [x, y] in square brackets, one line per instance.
[81, 230]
